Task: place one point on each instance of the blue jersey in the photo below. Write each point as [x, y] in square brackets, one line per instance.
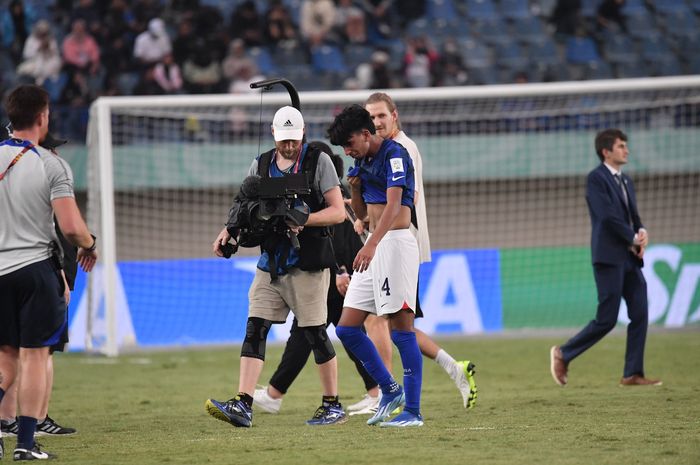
[391, 166]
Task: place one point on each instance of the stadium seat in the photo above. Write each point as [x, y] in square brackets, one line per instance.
[634, 7]
[589, 8]
[642, 25]
[544, 53]
[668, 66]
[481, 10]
[515, 9]
[419, 27]
[263, 59]
[581, 50]
[301, 76]
[328, 59]
[680, 26]
[655, 48]
[440, 9]
[356, 54]
[631, 70]
[492, 31]
[483, 76]
[54, 86]
[529, 30]
[284, 56]
[510, 56]
[599, 70]
[620, 49]
[695, 6]
[475, 53]
[672, 7]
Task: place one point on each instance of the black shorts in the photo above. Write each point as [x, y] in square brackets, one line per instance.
[32, 308]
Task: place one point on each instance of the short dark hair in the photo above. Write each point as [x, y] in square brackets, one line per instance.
[335, 158]
[24, 105]
[606, 139]
[351, 120]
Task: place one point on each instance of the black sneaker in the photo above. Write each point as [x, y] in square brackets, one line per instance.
[332, 414]
[233, 411]
[49, 427]
[31, 454]
[9, 428]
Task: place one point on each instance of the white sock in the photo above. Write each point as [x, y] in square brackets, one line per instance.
[447, 363]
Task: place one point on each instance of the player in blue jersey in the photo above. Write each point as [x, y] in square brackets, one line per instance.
[386, 268]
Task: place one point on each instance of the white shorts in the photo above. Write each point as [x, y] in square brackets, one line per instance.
[390, 282]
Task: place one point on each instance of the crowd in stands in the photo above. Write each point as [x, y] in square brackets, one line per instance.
[81, 49]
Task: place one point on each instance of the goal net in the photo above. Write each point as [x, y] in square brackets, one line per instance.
[504, 170]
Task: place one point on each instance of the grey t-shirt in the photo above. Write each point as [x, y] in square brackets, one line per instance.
[325, 177]
[26, 216]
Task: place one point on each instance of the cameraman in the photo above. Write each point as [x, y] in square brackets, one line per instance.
[300, 277]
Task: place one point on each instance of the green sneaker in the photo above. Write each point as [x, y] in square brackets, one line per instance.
[466, 384]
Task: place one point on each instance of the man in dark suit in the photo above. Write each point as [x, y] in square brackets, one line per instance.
[618, 240]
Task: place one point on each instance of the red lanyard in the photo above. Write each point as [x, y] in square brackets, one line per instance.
[15, 160]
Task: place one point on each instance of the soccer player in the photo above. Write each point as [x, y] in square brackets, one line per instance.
[385, 117]
[34, 185]
[290, 279]
[386, 268]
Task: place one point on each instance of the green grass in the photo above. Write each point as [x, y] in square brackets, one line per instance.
[149, 408]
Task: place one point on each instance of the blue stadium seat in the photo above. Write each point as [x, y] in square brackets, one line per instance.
[263, 59]
[589, 8]
[54, 86]
[529, 30]
[680, 26]
[419, 27]
[620, 49]
[440, 9]
[668, 66]
[301, 76]
[475, 54]
[356, 54]
[655, 48]
[449, 28]
[599, 70]
[672, 7]
[544, 53]
[328, 59]
[631, 70]
[581, 50]
[511, 56]
[284, 56]
[481, 10]
[634, 7]
[695, 6]
[493, 31]
[642, 25]
[483, 76]
[694, 64]
[515, 9]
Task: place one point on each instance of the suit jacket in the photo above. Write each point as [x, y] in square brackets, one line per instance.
[611, 233]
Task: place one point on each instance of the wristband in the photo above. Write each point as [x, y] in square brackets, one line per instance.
[94, 244]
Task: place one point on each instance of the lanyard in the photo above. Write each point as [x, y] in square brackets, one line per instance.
[15, 160]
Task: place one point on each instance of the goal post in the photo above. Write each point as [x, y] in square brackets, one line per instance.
[504, 169]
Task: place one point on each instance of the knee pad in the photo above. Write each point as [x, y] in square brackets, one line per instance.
[317, 338]
[255, 338]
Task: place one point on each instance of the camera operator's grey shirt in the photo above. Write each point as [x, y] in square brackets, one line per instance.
[26, 192]
[325, 177]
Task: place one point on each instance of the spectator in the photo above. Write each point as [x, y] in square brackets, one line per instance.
[42, 59]
[609, 12]
[152, 44]
[451, 68]
[245, 76]
[148, 85]
[316, 21]
[88, 12]
[167, 75]
[420, 62]
[201, 72]
[246, 24]
[410, 10]
[350, 23]
[73, 110]
[380, 14]
[183, 43]
[280, 28]
[145, 10]
[566, 17]
[15, 24]
[236, 60]
[375, 74]
[118, 22]
[80, 51]
[117, 56]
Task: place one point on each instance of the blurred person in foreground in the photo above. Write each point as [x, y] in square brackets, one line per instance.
[35, 185]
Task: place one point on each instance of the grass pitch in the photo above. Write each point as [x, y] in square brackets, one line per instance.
[149, 408]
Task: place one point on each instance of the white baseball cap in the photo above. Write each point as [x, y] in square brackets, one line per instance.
[288, 124]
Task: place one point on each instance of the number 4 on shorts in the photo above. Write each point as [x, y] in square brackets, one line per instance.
[385, 286]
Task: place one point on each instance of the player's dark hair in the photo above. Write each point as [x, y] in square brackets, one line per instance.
[336, 159]
[351, 120]
[606, 139]
[384, 97]
[24, 105]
